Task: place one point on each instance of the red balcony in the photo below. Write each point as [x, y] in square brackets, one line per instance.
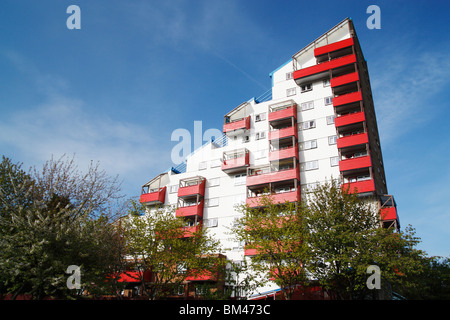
[290, 111]
[214, 273]
[347, 98]
[189, 211]
[189, 231]
[192, 186]
[291, 152]
[355, 163]
[352, 140]
[349, 119]
[156, 197]
[388, 213]
[264, 178]
[361, 186]
[345, 79]
[241, 124]
[235, 161]
[333, 47]
[284, 133]
[301, 76]
[292, 196]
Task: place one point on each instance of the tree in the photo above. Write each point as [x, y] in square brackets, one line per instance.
[275, 233]
[345, 237]
[52, 219]
[156, 243]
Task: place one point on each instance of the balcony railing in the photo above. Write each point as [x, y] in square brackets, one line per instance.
[284, 112]
[239, 124]
[192, 186]
[155, 197]
[333, 47]
[347, 98]
[290, 152]
[261, 177]
[352, 140]
[360, 186]
[290, 196]
[192, 210]
[284, 133]
[355, 163]
[235, 160]
[349, 119]
[345, 79]
[302, 75]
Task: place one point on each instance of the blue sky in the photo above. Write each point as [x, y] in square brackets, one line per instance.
[115, 90]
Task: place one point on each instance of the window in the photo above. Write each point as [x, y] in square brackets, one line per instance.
[311, 165]
[214, 182]
[289, 75]
[306, 87]
[334, 161]
[326, 83]
[330, 119]
[240, 179]
[245, 139]
[173, 189]
[328, 100]
[332, 140]
[210, 223]
[311, 144]
[308, 125]
[260, 117]
[213, 202]
[291, 92]
[307, 105]
[260, 135]
[202, 165]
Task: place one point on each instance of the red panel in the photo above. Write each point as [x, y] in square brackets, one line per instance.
[205, 276]
[347, 78]
[284, 113]
[361, 186]
[192, 190]
[389, 213]
[347, 98]
[236, 163]
[333, 47]
[324, 66]
[154, 197]
[196, 210]
[353, 140]
[133, 276]
[273, 177]
[236, 125]
[250, 252]
[291, 152]
[189, 231]
[292, 196]
[355, 163]
[283, 133]
[349, 119]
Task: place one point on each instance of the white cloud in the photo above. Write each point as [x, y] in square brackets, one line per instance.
[66, 125]
[404, 83]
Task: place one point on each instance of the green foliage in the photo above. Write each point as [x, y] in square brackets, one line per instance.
[276, 232]
[45, 229]
[155, 241]
[346, 237]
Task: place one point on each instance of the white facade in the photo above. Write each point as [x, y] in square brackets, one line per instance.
[318, 154]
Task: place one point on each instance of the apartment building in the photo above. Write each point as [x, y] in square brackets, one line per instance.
[318, 123]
